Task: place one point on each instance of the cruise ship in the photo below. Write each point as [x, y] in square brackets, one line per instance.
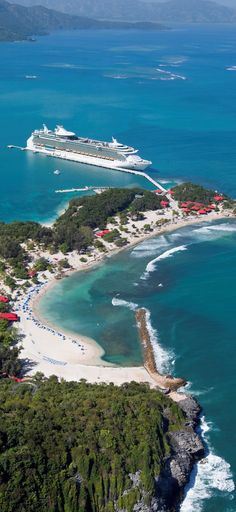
[61, 143]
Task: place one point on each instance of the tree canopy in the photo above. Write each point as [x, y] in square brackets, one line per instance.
[70, 447]
[196, 193]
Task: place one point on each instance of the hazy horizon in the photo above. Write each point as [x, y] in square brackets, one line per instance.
[228, 3]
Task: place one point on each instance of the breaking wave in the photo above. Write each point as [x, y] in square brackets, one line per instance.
[168, 75]
[63, 65]
[117, 77]
[164, 358]
[149, 247]
[221, 227]
[119, 302]
[212, 232]
[173, 61]
[208, 479]
[151, 266]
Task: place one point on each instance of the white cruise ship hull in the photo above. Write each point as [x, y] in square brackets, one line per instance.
[127, 164]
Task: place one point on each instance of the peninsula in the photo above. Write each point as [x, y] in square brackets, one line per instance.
[120, 445]
[92, 228]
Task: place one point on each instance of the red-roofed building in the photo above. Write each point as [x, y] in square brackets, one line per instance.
[195, 208]
[202, 212]
[158, 191]
[165, 204]
[3, 299]
[218, 198]
[11, 317]
[102, 233]
[32, 273]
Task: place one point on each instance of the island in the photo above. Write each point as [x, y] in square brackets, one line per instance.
[86, 436]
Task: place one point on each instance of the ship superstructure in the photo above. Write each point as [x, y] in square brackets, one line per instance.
[64, 144]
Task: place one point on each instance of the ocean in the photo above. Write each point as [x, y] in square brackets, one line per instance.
[172, 95]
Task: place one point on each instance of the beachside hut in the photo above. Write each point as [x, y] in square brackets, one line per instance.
[218, 198]
[3, 298]
[186, 210]
[202, 212]
[102, 233]
[32, 273]
[164, 203]
[11, 317]
[158, 191]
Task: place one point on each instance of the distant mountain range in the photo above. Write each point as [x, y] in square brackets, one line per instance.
[18, 22]
[172, 11]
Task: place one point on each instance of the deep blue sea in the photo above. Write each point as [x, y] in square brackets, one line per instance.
[172, 95]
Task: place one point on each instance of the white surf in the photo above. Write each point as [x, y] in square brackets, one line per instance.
[164, 358]
[151, 266]
[119, 302]
[209, 479]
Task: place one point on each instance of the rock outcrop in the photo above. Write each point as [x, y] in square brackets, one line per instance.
[186, 449]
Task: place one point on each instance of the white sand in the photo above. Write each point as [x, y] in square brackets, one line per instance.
[54, 353]
[76, 357]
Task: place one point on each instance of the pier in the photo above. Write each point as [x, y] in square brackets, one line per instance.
[98, 189]
[72, 158]
[84, 189]
[12, 146]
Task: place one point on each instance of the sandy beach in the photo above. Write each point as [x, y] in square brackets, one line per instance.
[74, 357]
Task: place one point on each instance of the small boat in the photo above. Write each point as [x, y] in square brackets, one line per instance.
[57, 172]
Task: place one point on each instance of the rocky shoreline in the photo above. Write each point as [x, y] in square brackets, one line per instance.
[187, 449]
[186, 445]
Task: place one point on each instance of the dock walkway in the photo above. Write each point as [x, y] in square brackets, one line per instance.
[129, 171]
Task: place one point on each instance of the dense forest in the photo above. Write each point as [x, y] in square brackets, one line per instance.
[192, 192]
[9, 352]
[76, 447]
[74, 229]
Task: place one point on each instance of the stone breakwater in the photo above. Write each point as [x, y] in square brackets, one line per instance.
[164, 381]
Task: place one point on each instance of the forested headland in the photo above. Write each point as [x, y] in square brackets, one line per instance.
[76, 447]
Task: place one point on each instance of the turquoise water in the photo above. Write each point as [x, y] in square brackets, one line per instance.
[107, 83]
[187, 282]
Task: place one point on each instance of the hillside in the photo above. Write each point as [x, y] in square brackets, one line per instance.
[172, 11]
[18, 22]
